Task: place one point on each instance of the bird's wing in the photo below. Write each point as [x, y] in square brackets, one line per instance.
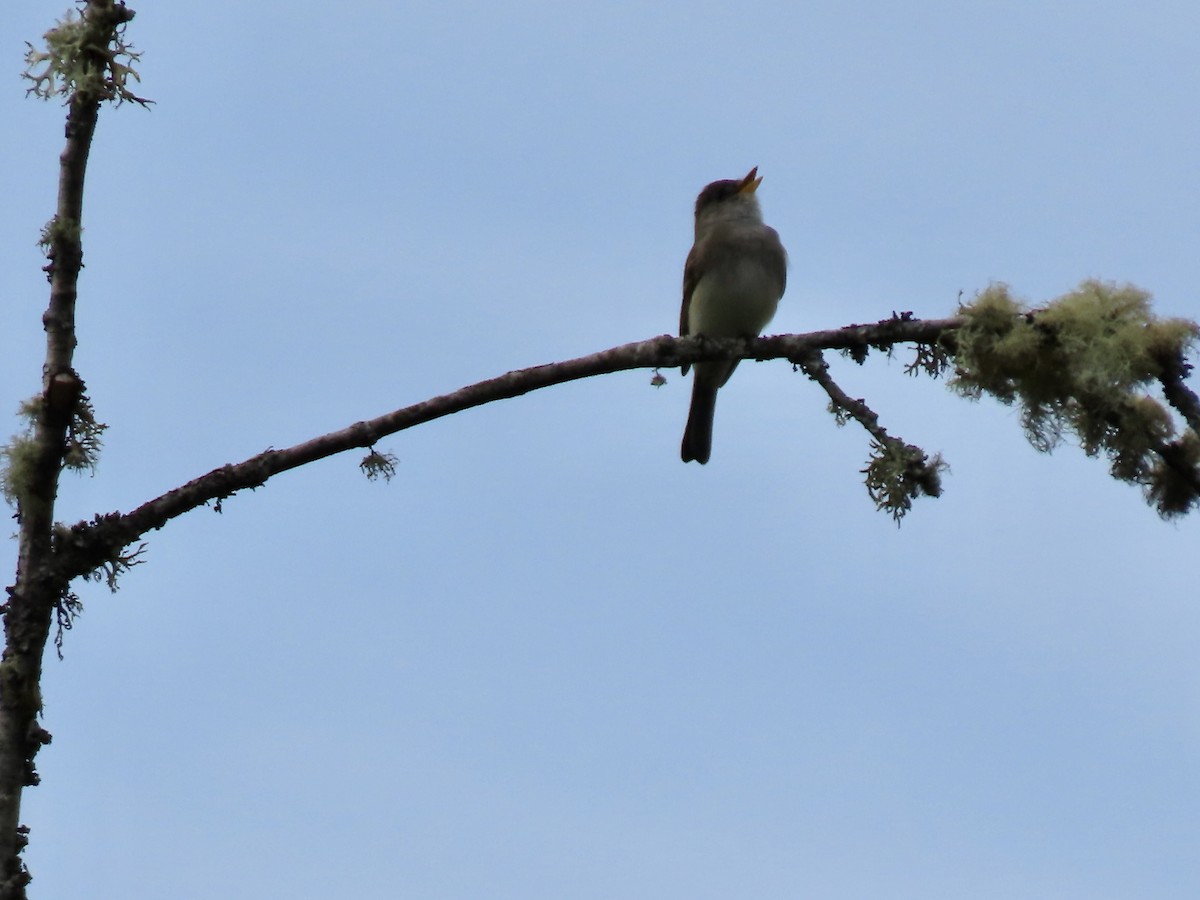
[775, 259]
[692, 273]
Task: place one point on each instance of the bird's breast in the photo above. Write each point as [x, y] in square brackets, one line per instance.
[732, 300]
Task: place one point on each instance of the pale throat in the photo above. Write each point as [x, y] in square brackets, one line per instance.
[743, 210]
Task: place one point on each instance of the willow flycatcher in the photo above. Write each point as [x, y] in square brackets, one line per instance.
[732, 281]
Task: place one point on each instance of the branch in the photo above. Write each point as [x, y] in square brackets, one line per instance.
[88, 545]
[817, 369]
[1174, 370]
[897, 472]
[81, 64]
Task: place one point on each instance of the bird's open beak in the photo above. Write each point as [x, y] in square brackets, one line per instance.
[750, 184]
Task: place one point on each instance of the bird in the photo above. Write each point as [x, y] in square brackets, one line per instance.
[734, 277]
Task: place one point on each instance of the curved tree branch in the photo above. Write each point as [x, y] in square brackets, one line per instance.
[89, 545]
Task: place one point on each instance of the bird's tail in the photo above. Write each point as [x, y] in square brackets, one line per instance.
[697, 436]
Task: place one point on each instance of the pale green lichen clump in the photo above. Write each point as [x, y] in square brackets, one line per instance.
[85, 55]
[1080, 366]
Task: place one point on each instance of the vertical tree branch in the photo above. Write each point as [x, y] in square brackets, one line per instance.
[81, 60]
[30, 606]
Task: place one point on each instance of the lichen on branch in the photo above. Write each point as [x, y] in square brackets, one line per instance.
[898, 473]
[85, 55]
[21, 455]
[1081, 365]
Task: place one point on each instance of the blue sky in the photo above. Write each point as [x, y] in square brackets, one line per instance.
[549, 659]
